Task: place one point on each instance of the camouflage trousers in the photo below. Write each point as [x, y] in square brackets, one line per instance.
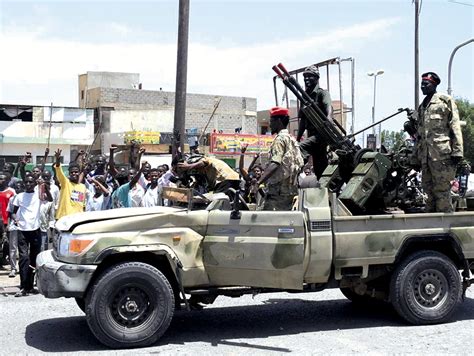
[436, 177]
[279, 198]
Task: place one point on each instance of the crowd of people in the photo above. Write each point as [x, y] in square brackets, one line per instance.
[31, 201]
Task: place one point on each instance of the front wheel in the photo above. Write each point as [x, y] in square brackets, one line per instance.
[131, 305]
[426, 288]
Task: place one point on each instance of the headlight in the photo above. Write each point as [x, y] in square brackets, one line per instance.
[73, 245]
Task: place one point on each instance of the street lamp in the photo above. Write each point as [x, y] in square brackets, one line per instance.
[378, 138]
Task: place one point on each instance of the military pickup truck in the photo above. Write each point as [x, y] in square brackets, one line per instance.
[129, 269]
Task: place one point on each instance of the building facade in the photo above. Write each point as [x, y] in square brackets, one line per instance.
[25, 128]
[123, 109]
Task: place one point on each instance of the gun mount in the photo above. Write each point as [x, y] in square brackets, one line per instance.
[366, 181]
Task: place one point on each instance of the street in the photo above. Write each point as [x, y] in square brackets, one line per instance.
[280, 323]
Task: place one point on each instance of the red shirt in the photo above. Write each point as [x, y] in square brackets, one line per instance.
[5, 196]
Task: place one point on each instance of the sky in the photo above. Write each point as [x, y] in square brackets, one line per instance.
[232, 47]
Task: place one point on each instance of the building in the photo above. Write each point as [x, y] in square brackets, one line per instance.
[124, 111]
[27, 128]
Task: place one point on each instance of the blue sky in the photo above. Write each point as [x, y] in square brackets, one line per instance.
[232, 46]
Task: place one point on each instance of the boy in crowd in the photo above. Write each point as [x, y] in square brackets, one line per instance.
[152, 196]
[98, 194]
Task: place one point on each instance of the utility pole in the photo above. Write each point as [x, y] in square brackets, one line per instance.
[181, 77]
[417, 64]
[450, 89]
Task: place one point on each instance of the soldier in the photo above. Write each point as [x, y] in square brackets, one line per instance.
[219, 176]
[314, 144]
[285, 164]
[439, 146]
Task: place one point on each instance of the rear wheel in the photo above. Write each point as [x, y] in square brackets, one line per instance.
[426, 288]
[131, 305]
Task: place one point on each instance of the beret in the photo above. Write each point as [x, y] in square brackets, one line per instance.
[432, 77]
[279, 111]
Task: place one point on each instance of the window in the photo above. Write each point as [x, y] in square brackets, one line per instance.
[82, 94]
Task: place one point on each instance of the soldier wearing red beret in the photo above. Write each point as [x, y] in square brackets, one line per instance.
[285, 164]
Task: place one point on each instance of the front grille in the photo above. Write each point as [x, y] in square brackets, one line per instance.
[320, 225]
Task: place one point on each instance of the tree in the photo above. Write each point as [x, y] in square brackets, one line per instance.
[466, 113]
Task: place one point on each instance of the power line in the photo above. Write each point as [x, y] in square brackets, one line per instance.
[461, 3]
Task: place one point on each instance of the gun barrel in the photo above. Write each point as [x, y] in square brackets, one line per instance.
[326, 128]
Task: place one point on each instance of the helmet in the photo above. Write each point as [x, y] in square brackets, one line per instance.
[312, 70]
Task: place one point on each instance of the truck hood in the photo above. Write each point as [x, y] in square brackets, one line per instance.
[66, 223]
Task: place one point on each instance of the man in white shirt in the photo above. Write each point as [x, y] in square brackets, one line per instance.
[26, 216]
[152, 196]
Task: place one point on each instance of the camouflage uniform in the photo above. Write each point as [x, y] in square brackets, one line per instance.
[281, 187]
[439, 139]
[314, 144]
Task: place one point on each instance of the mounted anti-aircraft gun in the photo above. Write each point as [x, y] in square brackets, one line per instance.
[373, 181]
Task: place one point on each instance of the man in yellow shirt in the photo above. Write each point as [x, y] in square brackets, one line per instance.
[72, 196]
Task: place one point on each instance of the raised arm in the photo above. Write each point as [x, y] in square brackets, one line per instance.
[255, 157]
[141, 151]
[243, 172]
[136, 177]
[58, 172]
[103, 188]
[112, 169]
[45, 158]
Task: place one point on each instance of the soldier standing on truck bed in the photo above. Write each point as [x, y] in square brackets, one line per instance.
[439, 146]
[314, 144]
[281, 174]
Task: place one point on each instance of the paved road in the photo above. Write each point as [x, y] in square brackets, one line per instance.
[277, 323]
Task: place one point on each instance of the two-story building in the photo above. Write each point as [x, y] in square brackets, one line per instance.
[27, 128]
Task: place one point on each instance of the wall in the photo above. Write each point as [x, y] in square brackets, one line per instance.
[19, 149]
[141, 120]
[92, 80]
[233, 112]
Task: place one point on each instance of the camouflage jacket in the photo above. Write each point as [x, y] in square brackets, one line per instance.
[285, 151]
[439, 134]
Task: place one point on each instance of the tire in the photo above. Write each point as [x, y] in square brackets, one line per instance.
[426, 288]
[130, 305]
[81, 303]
